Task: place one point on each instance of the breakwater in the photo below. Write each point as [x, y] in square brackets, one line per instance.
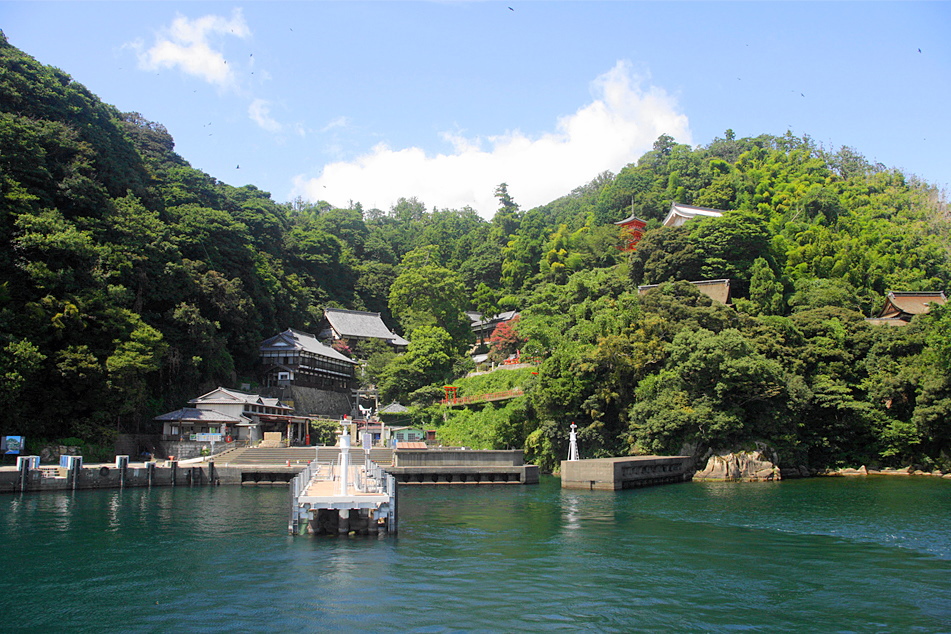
[629, 472]
[269, 466]
[455, 467]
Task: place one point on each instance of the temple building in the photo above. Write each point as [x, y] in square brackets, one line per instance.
[632, 230]
[679, 214]
[307, 375]
[357, 325]
[901, 306]
[225, 414]
[717, 290]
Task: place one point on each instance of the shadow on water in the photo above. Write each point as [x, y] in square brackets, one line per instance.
[821, 555]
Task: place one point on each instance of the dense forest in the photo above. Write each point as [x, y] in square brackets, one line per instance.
[132, 282]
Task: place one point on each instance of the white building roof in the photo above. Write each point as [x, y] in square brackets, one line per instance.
[679, 214]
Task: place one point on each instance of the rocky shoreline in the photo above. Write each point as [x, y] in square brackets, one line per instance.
[906, 471]
[759, 465]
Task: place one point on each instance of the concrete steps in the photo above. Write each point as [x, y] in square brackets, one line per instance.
[276, 456]
[229, 455]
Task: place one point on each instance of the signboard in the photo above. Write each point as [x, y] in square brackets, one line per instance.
[12, 444]
[207, 437]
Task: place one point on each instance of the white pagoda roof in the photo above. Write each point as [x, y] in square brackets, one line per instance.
[679, 214]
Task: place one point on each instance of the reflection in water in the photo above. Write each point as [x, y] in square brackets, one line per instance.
[114, 501]
[569, 505]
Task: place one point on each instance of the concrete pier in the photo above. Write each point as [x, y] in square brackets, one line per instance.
[458, 466]
[627, 472]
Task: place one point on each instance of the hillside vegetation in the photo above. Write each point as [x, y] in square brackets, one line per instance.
[132, 282]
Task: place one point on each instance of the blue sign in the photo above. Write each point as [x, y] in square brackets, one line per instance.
[13, 444]
[207, 437]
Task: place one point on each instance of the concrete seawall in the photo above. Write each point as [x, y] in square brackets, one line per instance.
[107, 476]
[628, 472]
[409, 467]
[442, 466]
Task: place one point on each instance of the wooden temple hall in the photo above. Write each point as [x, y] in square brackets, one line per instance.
[901, 306]
[298, 358]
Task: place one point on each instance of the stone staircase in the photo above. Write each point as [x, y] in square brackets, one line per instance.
[267, 456]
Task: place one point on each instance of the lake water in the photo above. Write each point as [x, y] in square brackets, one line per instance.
[818, 555]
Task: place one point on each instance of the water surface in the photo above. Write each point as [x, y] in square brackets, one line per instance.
[831, 555]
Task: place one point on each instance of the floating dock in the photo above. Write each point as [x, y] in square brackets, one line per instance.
[628, 472]
[341, 498]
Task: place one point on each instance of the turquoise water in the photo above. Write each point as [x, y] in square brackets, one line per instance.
[820, 555]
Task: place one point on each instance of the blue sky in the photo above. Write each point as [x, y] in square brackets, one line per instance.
[371, 101]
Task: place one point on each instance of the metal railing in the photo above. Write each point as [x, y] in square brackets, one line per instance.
[374, 480]
[482, 398]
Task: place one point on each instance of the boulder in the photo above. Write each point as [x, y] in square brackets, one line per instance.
[861, 471]
[739, 466]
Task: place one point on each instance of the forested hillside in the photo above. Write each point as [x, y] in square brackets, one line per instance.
[132, 282]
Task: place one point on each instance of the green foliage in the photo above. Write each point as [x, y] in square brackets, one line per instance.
[503, 426]
[428, 360]
[766, 292]
[426, 294]
[324, 432]
[716, 390]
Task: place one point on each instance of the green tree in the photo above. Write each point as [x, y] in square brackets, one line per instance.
[425, 294]
[507, 216]
[766, 292]
[428, 361]
[716, 391]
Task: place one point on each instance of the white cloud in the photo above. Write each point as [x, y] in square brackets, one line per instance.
[260, 113]
[337, 122]
[187, 45]
[620, 124]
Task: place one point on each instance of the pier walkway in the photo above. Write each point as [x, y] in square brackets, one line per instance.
[341, 497]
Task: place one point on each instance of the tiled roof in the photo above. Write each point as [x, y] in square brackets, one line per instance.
[194, 415]
[632, 219]
[361, 325]
[717, 290]
[497, 319]
[223, 395]
[911, 302]
[292, 339]
[394, 408]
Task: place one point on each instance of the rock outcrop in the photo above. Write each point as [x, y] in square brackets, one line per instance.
[740, 466]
